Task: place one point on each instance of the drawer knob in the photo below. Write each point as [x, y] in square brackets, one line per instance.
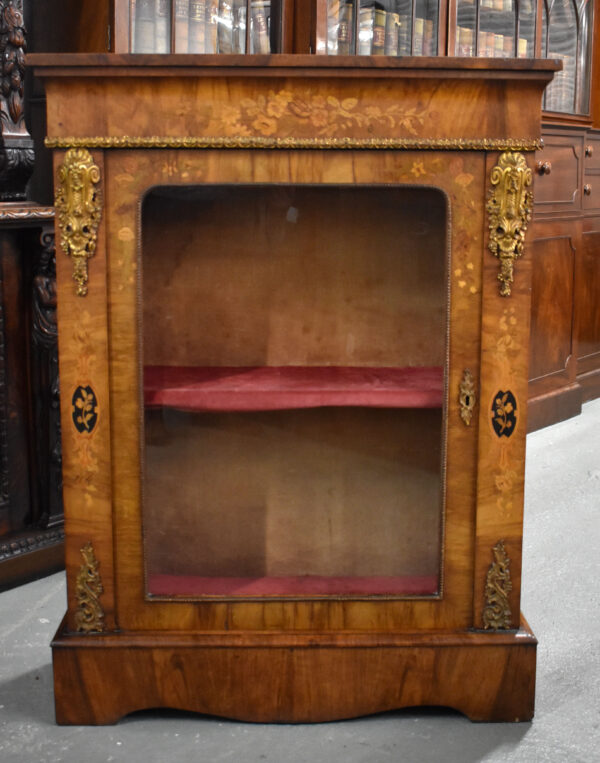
[587, 189]
[589, 150]
[544, 168]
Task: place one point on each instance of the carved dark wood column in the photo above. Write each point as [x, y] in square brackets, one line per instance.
[31, 535]
[16, 148]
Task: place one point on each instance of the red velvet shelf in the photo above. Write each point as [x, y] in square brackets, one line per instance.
[270, 388]
[317, 585]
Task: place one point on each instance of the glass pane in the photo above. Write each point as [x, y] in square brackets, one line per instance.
[151, 21]
[386, 27]
[497, 24]
[562, 44]
[294, 351]
[488, 29]
[585, 56]
[204, 26]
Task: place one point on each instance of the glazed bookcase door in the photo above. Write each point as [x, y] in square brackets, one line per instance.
[567, 27]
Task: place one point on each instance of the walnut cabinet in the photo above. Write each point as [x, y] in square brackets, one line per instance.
[294, 307]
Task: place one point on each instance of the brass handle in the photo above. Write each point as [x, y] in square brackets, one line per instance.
[589, 150]
[544, 168]
[587, 189]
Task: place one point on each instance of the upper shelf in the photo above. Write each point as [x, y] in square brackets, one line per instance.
[269, 388]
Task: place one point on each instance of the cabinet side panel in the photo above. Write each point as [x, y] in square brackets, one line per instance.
[85, 415]
[502, 420]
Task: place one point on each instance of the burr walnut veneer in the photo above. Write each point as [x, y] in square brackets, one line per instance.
[294, 302]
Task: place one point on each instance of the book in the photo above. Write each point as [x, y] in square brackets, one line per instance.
[346, 29]
[144, 29]
[182, 23]
[212, 20]
[238, 33]
[464, 46]
[365, 31]
[225, 27]
[162, 28]
[197, 24]
[392, 30]
[259, 10]
[379, 22]
[419, 37]
[333, 23]
[404, 34]
[428, 41]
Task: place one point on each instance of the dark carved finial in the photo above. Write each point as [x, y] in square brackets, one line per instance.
[16, 145]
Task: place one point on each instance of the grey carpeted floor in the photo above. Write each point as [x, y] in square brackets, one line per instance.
[561, 600]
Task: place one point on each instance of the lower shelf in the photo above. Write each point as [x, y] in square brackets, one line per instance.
[301, 585]
[293, 677]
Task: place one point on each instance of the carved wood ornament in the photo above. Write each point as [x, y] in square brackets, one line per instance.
[79, 208]
[16, 146]
[509, 210]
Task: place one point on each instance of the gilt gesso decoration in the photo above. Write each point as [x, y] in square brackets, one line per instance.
[498, 585]
[509, 209]
[79, 208]
[89, 617]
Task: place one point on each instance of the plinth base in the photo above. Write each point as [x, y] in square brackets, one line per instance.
[299, 677]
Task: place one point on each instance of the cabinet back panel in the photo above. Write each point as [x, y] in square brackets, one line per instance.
[284, 275]
[326, 492]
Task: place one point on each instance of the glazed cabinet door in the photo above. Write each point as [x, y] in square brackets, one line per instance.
[302, 453]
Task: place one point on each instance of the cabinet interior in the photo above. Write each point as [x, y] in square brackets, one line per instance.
[293, 345]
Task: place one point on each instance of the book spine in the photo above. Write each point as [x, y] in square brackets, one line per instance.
[404, 34]
[260, 33]
[197, 23]
[212, 18]
[464, 45]
[419, 36]
[239, 26]
[182, 25]
[333, 26]
[392, 29]
[145, 23]
[225, 27]
[162, 30]
[346, 29]
[428, 41]
[365, 32]
[378, 48]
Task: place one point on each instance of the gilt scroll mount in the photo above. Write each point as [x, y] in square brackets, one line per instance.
[79, 207]
[509, 209]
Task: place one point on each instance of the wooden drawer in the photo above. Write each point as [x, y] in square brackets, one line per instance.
[558, 174]
[591, 153]
[591, 192]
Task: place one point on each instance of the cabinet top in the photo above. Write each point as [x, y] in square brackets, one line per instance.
[284, 101]
[189, 65]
